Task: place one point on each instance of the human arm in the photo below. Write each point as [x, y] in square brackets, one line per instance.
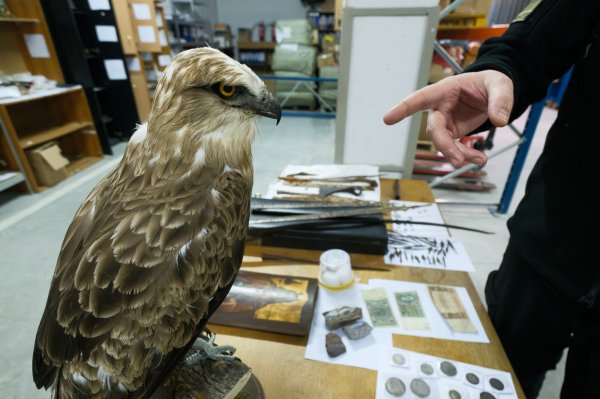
[524, 61]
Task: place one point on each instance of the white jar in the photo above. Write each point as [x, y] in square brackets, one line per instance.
[335, 270]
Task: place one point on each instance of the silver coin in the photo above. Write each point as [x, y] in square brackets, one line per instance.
[452, 394]
[486, 395]
[420, 388]
[399, 359]
[427, 368]
[496, 384]
[472, 378]
[395, 386]
[448, 368]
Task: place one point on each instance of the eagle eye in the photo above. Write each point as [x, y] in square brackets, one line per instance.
[226, 91]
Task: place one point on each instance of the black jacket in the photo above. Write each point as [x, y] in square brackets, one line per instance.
[551, 222]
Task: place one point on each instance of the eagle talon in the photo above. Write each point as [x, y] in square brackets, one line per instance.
[207, 349]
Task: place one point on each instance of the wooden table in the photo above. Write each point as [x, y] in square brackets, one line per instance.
[278, 360]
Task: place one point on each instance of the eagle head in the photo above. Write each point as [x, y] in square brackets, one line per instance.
[207, 86]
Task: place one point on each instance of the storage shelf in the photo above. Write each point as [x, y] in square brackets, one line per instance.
[243, 46]
[43, 136]
[39, 95]
[21, 20]
[11, 181]
[80, 164]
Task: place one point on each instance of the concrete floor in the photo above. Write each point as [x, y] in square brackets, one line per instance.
[32, 228]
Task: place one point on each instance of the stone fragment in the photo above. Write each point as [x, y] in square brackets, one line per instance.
[334, 345]
[339, 317]
[358, 329]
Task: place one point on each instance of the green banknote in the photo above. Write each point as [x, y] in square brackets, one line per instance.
[379, 307]
[409, 305]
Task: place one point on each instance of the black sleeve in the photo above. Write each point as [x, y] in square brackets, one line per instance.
[540, 48]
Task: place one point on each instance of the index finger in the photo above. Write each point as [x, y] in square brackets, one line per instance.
[426, 98]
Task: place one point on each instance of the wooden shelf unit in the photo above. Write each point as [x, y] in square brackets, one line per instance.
[63, 116]
[37, 138]
[20, 20]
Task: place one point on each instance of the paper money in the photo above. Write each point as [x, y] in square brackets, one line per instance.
[448, 303]
[379, 307]
[413, 317]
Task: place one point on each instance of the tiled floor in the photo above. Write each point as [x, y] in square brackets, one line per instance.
[32, 228]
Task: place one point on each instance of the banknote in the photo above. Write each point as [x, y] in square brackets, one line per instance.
[448, 303]
[379, 307]
[409, 305]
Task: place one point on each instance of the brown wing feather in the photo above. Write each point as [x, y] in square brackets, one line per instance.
[123, 278]
[158, 375]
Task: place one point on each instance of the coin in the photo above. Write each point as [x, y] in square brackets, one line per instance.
[496, 384]
[426, 368]
[399, 359]
[472, 378]
[486, 395]
[395, 386]
[448, 368]
[454, 394]
[420, 388]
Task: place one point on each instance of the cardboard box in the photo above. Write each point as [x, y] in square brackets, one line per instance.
[474, 7]
[244, 35]
[324, 60]
[48, 164]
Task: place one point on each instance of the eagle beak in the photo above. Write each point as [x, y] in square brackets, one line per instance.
[269, 107]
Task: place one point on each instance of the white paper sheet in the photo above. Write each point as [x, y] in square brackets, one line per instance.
[162, 38]
[164, 60]
[106, 33]
[99, 5]
[446, 253]
[425, 212]
[359, 353]
[36, 45]
[159, 21]
[9, 92]
[133, 64]
[289, 47]
[115, 69]
[146, 34]
[440, 383]
[314, 174]
[141, 11]
[439, 327]
[327, 171]
[4, 175]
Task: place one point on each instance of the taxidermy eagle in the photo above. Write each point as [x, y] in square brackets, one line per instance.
[155, 247]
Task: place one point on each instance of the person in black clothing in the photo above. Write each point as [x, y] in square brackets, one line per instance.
[545, 295]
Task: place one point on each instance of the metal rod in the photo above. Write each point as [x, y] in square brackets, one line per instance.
[464, 202]
[453, 6]
[472, 166]
[447, 57]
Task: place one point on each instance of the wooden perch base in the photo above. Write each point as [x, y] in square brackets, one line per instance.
[210, 379]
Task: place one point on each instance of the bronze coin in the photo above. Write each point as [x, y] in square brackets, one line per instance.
[454, 394]
[472, 378]
[399, 359]
[420, 388]
[427, 368]
[448, 368]
[395, 386]
[497, 384]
